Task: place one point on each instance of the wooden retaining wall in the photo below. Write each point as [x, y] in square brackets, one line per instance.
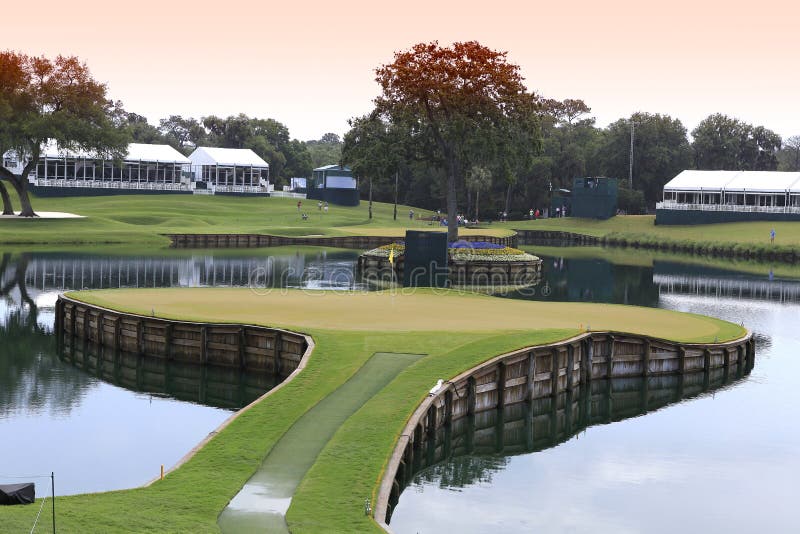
[527, 427]
[238, 346]
[525, 375]
[263, 240]
[461, 272]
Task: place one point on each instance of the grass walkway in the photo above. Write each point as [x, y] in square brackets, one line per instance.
[457, 331]
[261, 504]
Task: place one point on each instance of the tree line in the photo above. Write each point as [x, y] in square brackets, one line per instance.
[570, 145]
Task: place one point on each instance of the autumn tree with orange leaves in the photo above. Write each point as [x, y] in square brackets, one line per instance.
[43, 99]
[468, 104]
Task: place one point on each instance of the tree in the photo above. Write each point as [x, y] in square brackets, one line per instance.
[789, 156]
[661, 150]
[478, 179]
[373, 148]
[726, 143]
[183, 133]
[468, 101]
[325, 151]
[43, 99]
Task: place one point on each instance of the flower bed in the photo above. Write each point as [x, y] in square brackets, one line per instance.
[462, 251]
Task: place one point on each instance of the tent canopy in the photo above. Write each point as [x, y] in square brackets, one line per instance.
[736, 181]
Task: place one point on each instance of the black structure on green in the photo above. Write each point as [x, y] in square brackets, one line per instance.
[425, 260]
[594, 198]
[325, 186]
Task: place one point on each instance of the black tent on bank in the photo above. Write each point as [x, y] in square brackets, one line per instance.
[24, 493]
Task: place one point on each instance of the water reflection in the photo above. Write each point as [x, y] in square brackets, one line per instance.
[221, 387]
[80, 415]
[473, 449]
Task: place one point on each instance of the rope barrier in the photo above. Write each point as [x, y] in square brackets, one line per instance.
[37, 515]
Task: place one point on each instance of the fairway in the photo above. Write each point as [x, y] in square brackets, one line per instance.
[405, 311]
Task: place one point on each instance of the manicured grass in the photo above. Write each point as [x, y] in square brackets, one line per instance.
[646, 258]
[347, 329]
[132, 219]
[642, 228]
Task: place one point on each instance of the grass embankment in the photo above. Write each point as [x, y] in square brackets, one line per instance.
[131, 219]
[457, 331]
[752, 237]
[647, 258]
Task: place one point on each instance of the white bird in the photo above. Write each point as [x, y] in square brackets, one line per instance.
[437, 387]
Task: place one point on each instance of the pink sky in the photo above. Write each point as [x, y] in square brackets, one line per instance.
[311, 64]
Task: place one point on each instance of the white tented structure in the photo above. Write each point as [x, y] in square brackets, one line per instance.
[152, 167]
[230, 170]
[734, 191]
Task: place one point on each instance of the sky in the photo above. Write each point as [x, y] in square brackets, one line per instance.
[310, 65]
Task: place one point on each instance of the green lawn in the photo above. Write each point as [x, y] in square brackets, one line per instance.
[131, 219]
[347, 329]
[642, 228]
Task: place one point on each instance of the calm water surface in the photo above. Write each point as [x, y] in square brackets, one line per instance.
[724, 461]
[98, 435]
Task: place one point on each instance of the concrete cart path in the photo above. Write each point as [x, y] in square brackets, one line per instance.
[260, 506]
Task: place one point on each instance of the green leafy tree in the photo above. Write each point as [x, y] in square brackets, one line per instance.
[184, 134]
[661, 150]
[325, 151]
[726, 143]
[58, 99]
[789, 155]
[467, 101]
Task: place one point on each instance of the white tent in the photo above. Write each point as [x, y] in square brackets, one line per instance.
[752, 190]
[238, 170]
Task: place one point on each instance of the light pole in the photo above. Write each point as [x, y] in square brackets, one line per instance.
[630, 163]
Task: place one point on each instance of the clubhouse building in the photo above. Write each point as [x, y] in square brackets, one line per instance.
[702, 197]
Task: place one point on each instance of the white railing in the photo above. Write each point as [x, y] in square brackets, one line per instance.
[239, 189]
[102, 184]
[672, 205]
[286, 194]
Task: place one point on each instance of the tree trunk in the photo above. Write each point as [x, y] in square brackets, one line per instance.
[477, 198]
[452, 205]
[20, 186]
[508, 198]
[370, 198]
[7, 209]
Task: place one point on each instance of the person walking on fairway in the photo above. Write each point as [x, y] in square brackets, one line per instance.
[299, 205]
[772, 236]
[325, 207]
[411, 214]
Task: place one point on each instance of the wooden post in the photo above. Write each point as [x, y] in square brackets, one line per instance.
[530, 385]
[448, 407]
[140, 337]
[646, 359]
[739, 359]
[471, 395]
[681, 359]
[117, 331]
[100, 324]
[168, 341]
[610, 357]
[554, 372]
[277, 350]
[242, 352]
[589, 356]
[570, 365]
[203, 345]
[501, 385]
[706, 360]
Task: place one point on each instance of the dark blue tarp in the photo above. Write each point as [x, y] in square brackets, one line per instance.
[24, 493]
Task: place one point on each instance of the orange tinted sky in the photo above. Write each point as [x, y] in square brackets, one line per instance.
[310, 64]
